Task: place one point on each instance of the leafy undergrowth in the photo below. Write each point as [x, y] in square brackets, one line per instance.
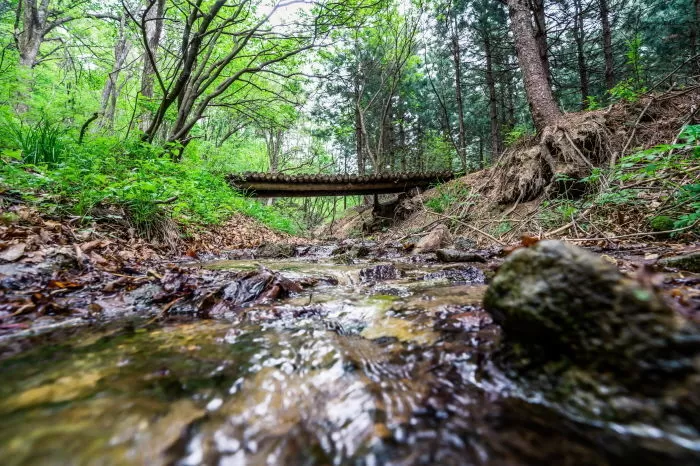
[655, 191]
[136, 185]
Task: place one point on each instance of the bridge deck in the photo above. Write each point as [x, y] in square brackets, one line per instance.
[279, 185]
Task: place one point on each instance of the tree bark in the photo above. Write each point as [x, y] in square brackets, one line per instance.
[461, 136]
[153, 22]
[538, 11]
[493, 100]
[110, 90]
[607, 44]
[273, 139]
[33, 16]
[543, 107]
[694, 28]
[579, 37]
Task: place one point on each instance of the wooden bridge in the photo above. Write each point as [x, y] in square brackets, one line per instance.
[280, 185]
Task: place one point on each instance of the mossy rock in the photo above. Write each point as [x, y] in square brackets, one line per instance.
[561, 302]
[661, 223]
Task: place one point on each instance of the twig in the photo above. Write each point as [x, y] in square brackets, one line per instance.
[567, 226]
[580, 154]
[170, 200]
[472, 227]
[613, 160]
[164, 311]
[689, 60]
[632, 235]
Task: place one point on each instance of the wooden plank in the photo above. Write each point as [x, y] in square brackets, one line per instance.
[263, 185]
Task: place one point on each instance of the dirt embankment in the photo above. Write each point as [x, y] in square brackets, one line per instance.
[567, 183]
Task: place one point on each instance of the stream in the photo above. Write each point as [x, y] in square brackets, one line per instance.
[378, 363]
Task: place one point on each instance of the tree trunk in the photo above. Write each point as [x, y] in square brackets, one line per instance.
[273, 139]
[543, 107]
[607, 44]
[153, 22]
[461, 137]
[110, 91]
[538, 11]
[359, 141]
[33, 22]
[493, 101]
[695, 26]
[579, 37]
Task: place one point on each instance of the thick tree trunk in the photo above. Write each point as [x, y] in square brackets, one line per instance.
[579, 37]
[461, 137]
[33, 16]
[607, 44]
[538, 11]
[543, 107]
[493, 100]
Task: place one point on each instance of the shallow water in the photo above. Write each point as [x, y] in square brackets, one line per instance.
[353, 371]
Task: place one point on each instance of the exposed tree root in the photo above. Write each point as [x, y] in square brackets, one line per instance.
[564, 153]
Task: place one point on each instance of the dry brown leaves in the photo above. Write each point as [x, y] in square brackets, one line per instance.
[239, 232]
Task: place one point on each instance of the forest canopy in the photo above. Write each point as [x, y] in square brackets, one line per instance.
[139, 102]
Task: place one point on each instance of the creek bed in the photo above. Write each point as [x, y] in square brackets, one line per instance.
[378, 364]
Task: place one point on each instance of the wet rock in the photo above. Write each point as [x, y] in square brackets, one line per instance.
[437, 238]
[275, 250]
[347, 253]
[12, 253]
[688, 262]
[560, 302]
[380, 273]
[454, 255]
[470, 275]
[464, 243]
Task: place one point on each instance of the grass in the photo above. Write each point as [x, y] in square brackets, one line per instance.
[104, 176]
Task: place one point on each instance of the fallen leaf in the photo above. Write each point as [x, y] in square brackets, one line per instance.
[63, 285]
[97, 259]
[529, 240]
[13, 253]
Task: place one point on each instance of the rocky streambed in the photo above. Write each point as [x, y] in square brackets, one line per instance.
[354, 354]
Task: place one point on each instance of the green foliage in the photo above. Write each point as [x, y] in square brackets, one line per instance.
[592, 103]
[557, 212]
[660, 164]
[136, 181]
[502, 228]
[448, 196]
[627, 90]
[517, 134]
[40, 143]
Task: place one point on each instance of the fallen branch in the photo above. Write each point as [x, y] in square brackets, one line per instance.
[613, 160]
[170, 200]
[567, 226]
[472, 227]
[633, 235]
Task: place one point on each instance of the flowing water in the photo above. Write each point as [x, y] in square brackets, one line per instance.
[375, 365]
